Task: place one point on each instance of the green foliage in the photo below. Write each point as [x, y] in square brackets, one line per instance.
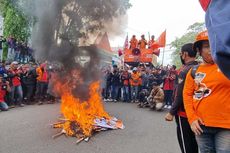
[188, 37]
[16, 23]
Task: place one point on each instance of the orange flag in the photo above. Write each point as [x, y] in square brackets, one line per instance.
[162, 39]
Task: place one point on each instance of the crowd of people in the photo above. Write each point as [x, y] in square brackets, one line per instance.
[147, 85]
[142, 43]
[196, 95]
[22, 84]
[13, 50]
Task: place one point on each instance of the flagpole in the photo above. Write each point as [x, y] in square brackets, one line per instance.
[163, 56]
[127, 37]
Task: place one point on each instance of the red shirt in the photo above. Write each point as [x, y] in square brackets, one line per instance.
[16, 79]
[168, 84]
[2, 94]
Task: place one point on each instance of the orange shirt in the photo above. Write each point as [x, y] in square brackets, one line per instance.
[208, 98]
[150, 43]
[142, 44]
[42, 76]
[133, 43]
[135, 79]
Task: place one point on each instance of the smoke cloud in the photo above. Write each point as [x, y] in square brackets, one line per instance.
[63, 29]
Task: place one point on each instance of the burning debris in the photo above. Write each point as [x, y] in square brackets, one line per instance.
[82, 118]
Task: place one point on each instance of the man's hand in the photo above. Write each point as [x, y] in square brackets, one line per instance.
[169, 117]
[7, 83]
[195, 126]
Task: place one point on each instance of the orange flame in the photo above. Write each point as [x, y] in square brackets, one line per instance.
[81, 112]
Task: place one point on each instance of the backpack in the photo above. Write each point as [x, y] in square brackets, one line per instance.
[194, 69]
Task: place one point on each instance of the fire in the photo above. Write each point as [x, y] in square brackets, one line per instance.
[82, 118]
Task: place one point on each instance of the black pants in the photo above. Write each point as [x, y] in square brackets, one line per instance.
[168, 97]
[186, 137]
[29, 92]
[41, 90]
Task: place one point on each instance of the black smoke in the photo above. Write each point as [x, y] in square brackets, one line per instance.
[62, 31]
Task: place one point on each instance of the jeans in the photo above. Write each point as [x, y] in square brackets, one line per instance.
[214, 140]
[114, 93]
[17, 56]
[16, 92]
[107, 91]
[134, 92]
[3, 106]
[126, 93]
[23, 58]
[10, 55]
[41, 90]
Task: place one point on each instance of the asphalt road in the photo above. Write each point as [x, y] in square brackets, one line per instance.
[27, 130]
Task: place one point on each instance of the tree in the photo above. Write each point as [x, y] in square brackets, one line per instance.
[16, 23]
[188, 37]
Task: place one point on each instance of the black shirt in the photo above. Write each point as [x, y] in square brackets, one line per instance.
[178, 104]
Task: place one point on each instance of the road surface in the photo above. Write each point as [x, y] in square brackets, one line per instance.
[27, 130]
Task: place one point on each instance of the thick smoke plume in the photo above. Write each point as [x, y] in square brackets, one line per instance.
[63, 27]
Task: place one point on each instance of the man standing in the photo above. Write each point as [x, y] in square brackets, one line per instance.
[185, 135]
[135, 82]
[151, 42]
[133, 42]
[1, 48]
[16, 93]
[142, 43]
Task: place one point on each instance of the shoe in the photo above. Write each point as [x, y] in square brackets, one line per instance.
[40, 103]
[166, 106]
[21, 105]
[12, 106]
[169, 107]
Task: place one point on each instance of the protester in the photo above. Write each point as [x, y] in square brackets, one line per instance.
[142, 43]
[16, 94]
[133, 42]
[156, 97]
[125, 76]
[115, 83]
[4, 88]
[28, 83]
[42, 83]
[151, 42]
[134, 82]
[185, 135]
[1, 48]
[168, 86]
[206, 100]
